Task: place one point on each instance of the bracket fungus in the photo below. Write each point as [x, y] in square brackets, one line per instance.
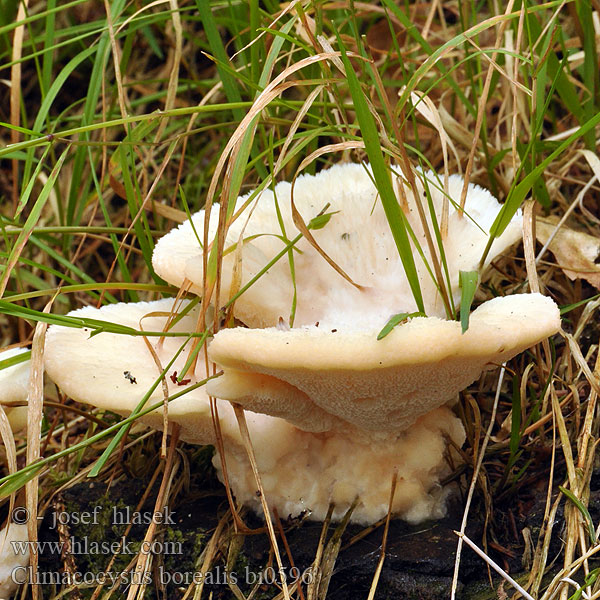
[14, 383]
[14, 557]
[333, 411]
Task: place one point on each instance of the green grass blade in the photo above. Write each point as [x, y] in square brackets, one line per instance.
[585, 15]
[395, 217]
[15, 360]
[468, 286]
[96, 326]
[396, 320]
[215, 41]
[230, 85]
[584, 512]
[80, 186]
[412, 30]
[520, 191]
[32, 219]
[60, 259]
[49, 35]
[18, 480]
[26, 193]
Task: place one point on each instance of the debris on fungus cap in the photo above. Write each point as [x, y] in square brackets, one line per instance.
[14, 383]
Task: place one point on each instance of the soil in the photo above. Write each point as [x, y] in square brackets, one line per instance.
[419, 560]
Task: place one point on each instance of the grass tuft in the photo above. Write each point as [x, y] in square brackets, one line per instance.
[119, 119]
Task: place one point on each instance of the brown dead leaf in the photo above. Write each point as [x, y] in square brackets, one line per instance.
[576, 252]
[168, 212]
[380, 39]
[117, 187]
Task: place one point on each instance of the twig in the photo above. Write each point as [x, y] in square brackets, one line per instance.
[384, 541]
[463, 526]
[241, 419]
[494, 565]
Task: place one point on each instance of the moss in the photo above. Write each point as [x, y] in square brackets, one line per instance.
[96, 520]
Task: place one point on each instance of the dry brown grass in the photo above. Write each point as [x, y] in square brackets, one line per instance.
[147, 128]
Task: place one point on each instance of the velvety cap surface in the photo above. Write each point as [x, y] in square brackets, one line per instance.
[357, 238]
[383, 385]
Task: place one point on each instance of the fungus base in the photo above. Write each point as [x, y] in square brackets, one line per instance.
[302, 473]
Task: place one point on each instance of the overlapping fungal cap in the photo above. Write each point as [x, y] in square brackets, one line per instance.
[342, 410]
[330, 366]
[301, 472]
[378, 385]
[115, 371]
[14, 383]
[357, 238]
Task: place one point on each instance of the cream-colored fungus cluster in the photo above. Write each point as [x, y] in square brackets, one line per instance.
[332, 411]
[14, 383]
[13, 560]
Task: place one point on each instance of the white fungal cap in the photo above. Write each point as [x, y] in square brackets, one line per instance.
[114, 371]
[14, 383]
[14, 558]
[384, 385]
[329, 370]
[357, 238]
[300, 471]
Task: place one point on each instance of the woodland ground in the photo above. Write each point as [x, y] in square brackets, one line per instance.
[114, 116]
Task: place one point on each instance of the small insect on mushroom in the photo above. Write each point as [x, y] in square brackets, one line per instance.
[173, 378]
[282, 325]
[129, 377]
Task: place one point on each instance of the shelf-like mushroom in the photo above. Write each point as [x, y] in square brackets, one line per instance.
[334, 411]
[357, 238]
[114, 371]
[378, 386]
[14, 383]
